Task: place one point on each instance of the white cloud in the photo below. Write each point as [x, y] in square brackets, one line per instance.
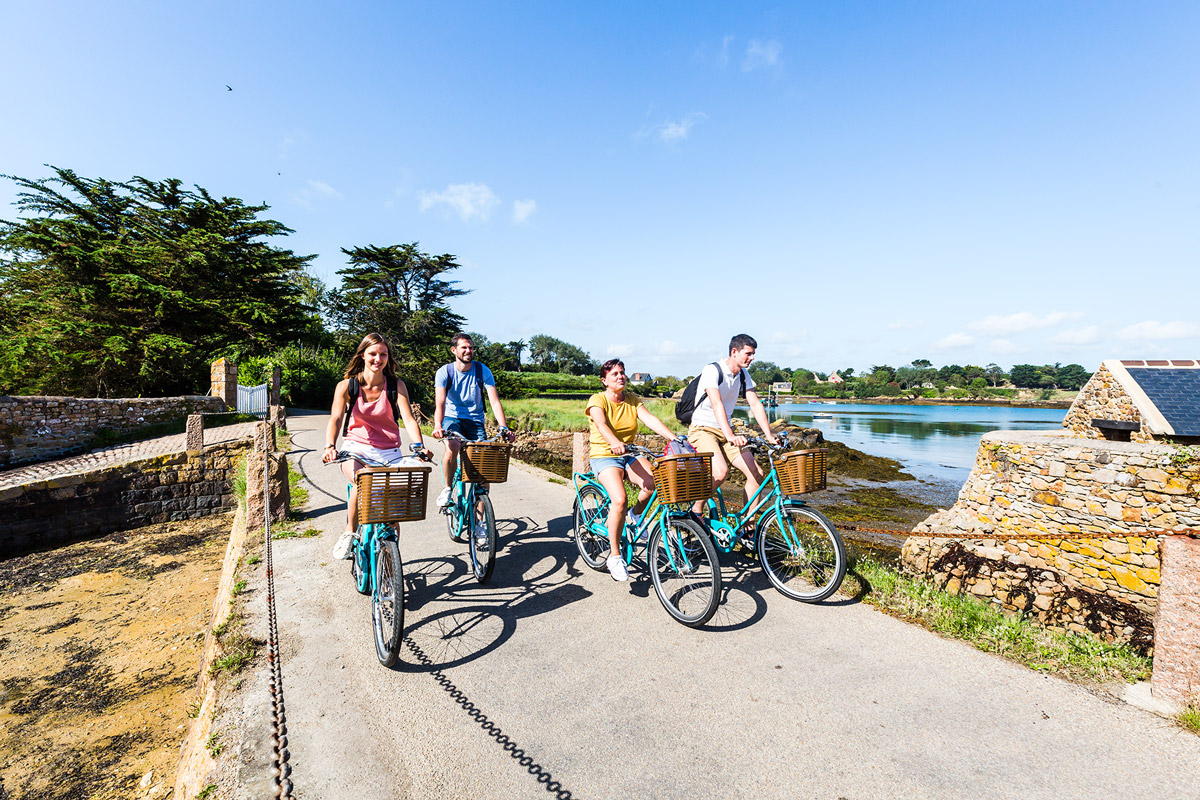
[1078, 336]
[323, 188]
[1004, 347]
[617, 350]
[723, 56]
[1153, 329]
[671, 132]
[762, 54]
[954, 340]
[906, 325]
[468, 200]
[523, 210]
[997, 325]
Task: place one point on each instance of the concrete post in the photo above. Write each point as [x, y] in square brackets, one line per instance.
[276, 384]
[1176, 676]
[276, 471]
[224, 381]
[195, 433]
[580, 461]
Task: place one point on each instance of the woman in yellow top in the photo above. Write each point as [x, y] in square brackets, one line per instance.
[613, 417]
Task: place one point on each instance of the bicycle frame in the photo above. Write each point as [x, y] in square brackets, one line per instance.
[368, 538]
[463, 497]
[656, 514]
[726, 526]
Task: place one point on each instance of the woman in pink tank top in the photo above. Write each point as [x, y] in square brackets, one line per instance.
[372, 429]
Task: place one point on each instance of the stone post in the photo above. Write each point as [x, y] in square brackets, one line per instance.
[276, 384]
[224, 381]
[276, 476]
[580, 462]
[277, 415]
[1176, 676]
[195, 433]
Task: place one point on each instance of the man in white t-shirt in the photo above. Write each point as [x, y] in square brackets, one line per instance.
[711, 428]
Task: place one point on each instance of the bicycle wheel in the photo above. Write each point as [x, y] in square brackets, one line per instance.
[590, 533]
[359, 564]
[803, 554]
[483, 558]
[454, 519]
[387, 601]
[685, 571]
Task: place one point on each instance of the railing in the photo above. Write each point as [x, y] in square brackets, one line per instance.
[254, 399]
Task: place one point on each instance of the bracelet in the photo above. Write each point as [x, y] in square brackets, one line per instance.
[329, 446]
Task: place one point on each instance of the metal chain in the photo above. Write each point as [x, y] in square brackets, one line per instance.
[1041, 535]
[281, 770]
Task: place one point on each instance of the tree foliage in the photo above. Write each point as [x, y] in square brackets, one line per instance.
[554, 355]
[123, 289]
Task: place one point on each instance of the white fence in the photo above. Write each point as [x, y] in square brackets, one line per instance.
[254, 399]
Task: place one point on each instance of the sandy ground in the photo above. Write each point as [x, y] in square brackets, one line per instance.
[99, 651]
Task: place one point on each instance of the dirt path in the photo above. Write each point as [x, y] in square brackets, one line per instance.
[99, 651]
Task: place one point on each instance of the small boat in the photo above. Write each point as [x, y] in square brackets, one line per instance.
[822, 415]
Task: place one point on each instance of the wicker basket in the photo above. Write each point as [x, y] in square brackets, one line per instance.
[393, 494]
[801, 471]
[486, 462]
[684, 478]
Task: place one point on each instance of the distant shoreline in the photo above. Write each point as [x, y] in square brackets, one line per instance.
[925, 401]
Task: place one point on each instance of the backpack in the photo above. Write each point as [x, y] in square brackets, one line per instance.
[354, 389]
[688, 402]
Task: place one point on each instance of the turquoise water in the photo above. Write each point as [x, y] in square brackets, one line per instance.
[935, 443]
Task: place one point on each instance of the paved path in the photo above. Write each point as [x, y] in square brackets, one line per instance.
[119, 454]
[554, 680]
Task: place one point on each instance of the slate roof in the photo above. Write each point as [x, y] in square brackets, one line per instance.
[1167, 394]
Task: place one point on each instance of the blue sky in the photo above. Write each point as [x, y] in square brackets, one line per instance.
[852, 183]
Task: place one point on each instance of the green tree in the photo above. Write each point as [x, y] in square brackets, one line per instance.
[765, 372]
[554, 355]
[1026, 376]
[1073, 377]
[132, 288]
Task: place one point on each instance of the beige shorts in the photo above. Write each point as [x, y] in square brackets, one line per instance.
[711, 440]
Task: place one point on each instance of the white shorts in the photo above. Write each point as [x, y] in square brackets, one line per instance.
[393, 457]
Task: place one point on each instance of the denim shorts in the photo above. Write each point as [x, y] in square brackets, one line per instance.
[606, 462]
[469, 429]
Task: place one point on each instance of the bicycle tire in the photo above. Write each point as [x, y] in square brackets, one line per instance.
[358, 565]
[454, 519]
[811, 568]
[591, 506]
[687, 577]
[483, 562]
[387, 602]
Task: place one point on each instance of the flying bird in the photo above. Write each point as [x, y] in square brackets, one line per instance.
[230, 88]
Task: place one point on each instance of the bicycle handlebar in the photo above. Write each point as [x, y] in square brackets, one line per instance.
[343, 455]
[456, 435]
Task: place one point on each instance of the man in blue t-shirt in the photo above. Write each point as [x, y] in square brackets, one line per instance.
[458, 405]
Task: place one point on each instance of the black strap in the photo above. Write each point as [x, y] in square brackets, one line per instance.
[353, 389]
[721, 376]
[479, 380]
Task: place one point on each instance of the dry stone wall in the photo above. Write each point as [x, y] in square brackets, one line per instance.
[128, 495]
[39, 428]
[1027, 482]
[1102, 397]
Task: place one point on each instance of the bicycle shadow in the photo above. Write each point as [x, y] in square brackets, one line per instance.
[465, 620]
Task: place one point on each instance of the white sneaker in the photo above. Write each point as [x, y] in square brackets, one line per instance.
[443, 498]
[616, 568]
[481, 536]
[345, 544]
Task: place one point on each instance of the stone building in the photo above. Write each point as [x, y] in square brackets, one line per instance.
[1139, 401]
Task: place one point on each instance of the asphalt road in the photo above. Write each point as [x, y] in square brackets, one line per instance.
[553, 680]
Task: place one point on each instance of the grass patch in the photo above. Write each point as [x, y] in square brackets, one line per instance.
[239, 586]
[240, 479]
[551, 414]
[288, 532]
[214, 744]
[207, 792]
[296, 487]
[1077, 657]
[559, 481]
[881, 504]
[237, 649]
[193, 710]
[252, 560]
[1190, 718]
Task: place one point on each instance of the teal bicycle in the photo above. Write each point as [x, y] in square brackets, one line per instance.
[386, 495]
[680, 556]
[470, 515]
[797, 547]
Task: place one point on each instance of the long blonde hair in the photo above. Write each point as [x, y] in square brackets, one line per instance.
[358, 363]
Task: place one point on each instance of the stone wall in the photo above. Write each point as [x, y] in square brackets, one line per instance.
[1102, 397]
[40, 428]
[153, 490]
[1036, 482]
